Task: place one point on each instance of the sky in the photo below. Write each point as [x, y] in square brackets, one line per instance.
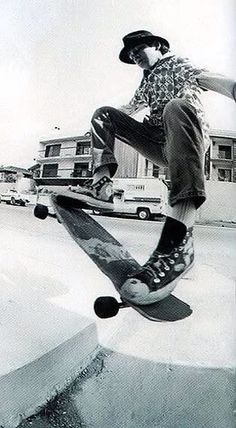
[59, 62]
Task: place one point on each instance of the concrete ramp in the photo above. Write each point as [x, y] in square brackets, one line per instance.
[160, 375]
[166, 375]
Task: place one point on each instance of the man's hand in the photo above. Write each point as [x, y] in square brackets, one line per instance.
[130, 109]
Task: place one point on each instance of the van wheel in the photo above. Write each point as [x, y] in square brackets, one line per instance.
[13, 201]
[143, 213]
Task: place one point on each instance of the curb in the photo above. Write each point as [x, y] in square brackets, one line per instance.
[29, 387]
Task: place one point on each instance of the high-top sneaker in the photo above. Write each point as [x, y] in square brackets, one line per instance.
[158, 277]
[98, 195]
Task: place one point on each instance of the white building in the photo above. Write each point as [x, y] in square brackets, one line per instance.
[222, 156]
[64, 161]
[68, 161]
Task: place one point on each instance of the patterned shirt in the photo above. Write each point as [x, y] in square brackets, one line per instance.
[172, 77]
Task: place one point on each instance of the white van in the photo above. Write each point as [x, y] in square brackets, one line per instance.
[144, 197]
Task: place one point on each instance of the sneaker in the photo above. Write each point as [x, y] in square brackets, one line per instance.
[158, 277]
[98, 195]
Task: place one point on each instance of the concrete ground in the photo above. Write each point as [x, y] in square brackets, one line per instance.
[122, 372]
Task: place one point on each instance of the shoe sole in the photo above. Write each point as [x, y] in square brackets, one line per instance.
[89, 201]
[171, 286]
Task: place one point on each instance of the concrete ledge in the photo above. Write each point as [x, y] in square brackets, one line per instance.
[44, 345]
[36, 362]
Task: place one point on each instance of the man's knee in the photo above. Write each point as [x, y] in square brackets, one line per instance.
[174, 107]
[103, 113]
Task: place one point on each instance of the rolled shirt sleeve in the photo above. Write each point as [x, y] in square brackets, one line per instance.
[218, 83]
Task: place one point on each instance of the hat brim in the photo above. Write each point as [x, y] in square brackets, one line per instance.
[124, 53]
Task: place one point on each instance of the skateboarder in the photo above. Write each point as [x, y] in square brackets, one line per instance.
[175, 134]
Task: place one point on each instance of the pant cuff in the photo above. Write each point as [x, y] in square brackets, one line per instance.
[112, 166]
[197, 197]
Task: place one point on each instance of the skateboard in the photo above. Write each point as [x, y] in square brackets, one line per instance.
[111, 258]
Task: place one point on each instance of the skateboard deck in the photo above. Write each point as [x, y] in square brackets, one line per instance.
[113, 260]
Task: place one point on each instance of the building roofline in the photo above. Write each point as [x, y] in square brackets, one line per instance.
[222, 133]
[213, 133]
[60, 140]
[14, 170]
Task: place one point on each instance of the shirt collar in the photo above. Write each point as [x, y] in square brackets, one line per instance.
[163, 59]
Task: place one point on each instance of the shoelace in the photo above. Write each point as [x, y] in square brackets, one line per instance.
[157, 264]
[145, 273]
[154, 268]
[160, 262]
[88, 183]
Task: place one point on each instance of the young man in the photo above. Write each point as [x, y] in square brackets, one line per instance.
[175, 134]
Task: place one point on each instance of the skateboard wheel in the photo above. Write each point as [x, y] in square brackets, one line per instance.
[41, 211]
[106, 307]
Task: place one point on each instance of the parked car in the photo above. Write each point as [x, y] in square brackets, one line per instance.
[13, 197]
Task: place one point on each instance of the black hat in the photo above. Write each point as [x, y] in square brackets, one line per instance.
[137, 37]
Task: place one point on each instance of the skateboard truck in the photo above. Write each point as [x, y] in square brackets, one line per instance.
[108, 307]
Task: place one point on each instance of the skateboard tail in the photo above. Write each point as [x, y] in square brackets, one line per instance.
[169, 309]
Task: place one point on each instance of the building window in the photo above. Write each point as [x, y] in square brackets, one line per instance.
[224, 174]
[83, 148]
[155, 170]
[81, 170]
[146, 168]
[52, 150]
[150, 169]
[225, 152]
[207, 164]
[50, 170]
